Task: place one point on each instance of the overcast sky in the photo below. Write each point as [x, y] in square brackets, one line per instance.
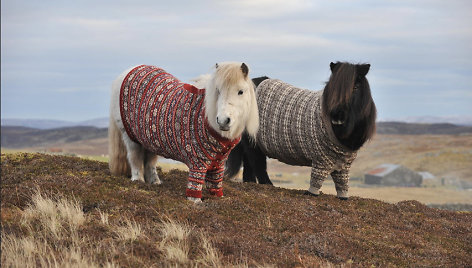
[58, 58]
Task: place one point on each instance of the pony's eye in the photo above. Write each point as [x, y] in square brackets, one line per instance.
[240, 92]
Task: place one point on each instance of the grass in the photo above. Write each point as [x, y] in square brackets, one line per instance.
[292, 177]
[443, 155]
[431, 193]
[52, 237]
[426, 195]
[132, 224]
[129, 231]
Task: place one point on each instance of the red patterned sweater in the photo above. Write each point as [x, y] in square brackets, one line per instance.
[168, 118]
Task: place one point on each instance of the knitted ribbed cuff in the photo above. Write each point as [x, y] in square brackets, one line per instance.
[342, 194]
[194, 187]
[216, 192]
[193, 193]
[314, 190]
[341, 184]
[316, 180]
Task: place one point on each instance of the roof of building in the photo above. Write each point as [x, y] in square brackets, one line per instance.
[383, 169]
[426, 175]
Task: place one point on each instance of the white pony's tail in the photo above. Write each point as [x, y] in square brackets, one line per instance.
[118, 162]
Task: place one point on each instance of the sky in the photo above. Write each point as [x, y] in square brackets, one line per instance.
[59, 58]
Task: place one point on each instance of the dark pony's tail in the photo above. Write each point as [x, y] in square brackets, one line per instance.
[235, 159]
[259, 80]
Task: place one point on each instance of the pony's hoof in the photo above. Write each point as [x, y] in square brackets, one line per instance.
[194, 199]
[343, 198]
[310, 193]
[157, 182]
[152, 178]
[137, 178]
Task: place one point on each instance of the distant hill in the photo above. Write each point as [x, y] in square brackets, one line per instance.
[50, 124]
[456, 120]
[22, 137]
[421, 129]
[407, 125]
[102, 122]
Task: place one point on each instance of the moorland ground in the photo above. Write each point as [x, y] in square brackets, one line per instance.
[110, 221]
[445, 156]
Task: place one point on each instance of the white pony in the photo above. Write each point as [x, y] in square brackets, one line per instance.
[152, 113]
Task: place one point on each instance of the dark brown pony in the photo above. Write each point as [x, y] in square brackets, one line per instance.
[346, 103]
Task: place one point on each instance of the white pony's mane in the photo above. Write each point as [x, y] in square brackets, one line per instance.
[227, 75]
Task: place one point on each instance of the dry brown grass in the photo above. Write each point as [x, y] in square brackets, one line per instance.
[433, 195]
[251, 224]
[130, 230]
[445, 156]
[442, 155]
[52, 239]
[103, 217]
[175, 242]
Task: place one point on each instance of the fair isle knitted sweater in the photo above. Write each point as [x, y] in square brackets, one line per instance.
[167, 117]
[293, 130]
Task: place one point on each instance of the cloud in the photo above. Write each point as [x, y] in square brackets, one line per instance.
[79, 47]
[265, 8]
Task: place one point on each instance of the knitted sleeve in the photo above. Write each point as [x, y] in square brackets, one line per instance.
[319, 172]
[214, 181]
[195, 183]
[341, 180]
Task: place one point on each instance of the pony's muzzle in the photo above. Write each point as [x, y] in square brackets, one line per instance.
[223, 122]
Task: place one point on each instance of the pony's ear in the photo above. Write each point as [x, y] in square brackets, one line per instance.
[252, 124]
[363, 69]
[244, 69]
[333, 66]
[216, 65]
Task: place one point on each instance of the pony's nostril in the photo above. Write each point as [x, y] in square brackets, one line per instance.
[224, 121]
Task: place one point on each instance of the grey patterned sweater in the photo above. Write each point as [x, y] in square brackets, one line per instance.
[293, 130]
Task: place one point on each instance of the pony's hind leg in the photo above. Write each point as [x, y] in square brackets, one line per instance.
[255, 164]
[260, 167]
[135, 155]
[150, 171]
[248, 171]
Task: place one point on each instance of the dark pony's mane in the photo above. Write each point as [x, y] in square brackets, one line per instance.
[348, 105]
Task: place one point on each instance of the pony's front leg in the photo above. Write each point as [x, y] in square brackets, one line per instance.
[196, 179]
[341, 180]
[318, 175]
[214, 182]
